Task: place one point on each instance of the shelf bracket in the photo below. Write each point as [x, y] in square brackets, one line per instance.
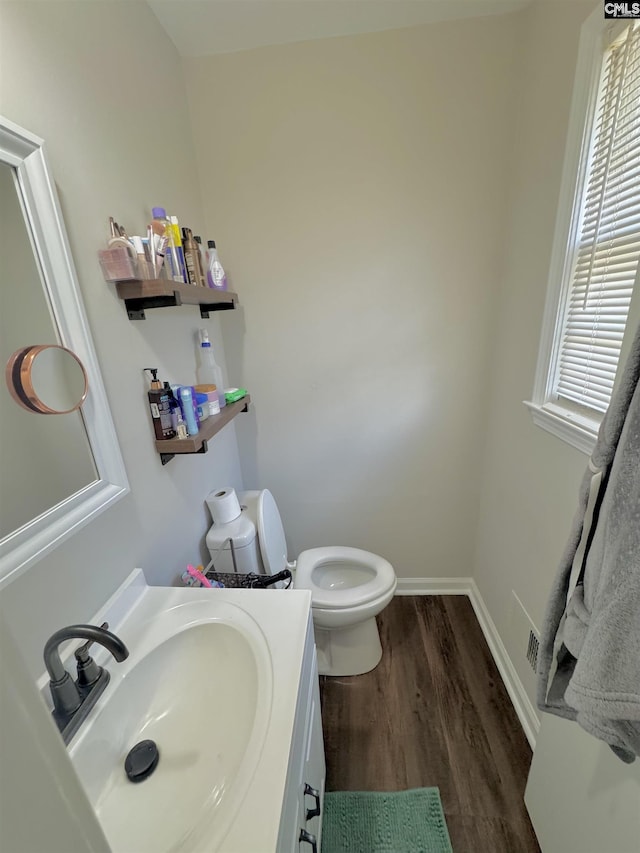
[205, 307]
[136, 305]
[167, 457]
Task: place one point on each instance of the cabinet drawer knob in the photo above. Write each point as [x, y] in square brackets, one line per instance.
[308, 838]
[312, 792]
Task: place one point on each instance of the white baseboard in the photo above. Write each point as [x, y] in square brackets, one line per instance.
[515, 688]
[433, 586]
[467, 586]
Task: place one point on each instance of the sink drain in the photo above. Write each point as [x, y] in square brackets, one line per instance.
[141, 761]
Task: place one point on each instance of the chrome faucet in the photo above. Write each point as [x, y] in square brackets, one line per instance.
[72, 700]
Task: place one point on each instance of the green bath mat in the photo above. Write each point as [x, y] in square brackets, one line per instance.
[375, 822]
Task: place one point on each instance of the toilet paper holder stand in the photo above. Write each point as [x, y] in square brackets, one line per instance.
[210, 565]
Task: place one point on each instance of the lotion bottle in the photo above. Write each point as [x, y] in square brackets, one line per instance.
[186, 398]
[216, 276]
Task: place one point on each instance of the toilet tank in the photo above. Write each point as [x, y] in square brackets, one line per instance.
[234, 546]
[249, 504]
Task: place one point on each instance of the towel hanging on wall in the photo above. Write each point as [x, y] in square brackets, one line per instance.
[589, 660]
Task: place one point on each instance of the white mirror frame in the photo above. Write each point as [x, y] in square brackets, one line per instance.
[20, 549]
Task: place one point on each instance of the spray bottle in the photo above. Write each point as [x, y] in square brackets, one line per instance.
[208, 371]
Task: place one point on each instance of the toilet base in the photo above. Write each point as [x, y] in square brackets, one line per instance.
[352, 650]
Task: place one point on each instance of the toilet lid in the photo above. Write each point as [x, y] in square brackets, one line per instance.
[273, 545]
[340, 577]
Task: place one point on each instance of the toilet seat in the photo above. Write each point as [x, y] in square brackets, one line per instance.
[273, 545]
[361, 577]
[349, 587]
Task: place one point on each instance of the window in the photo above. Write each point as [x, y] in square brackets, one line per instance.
[597, 240]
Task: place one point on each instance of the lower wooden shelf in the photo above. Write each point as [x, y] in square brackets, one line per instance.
[140, 295]
[168, 448]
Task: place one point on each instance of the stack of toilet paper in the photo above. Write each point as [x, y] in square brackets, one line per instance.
[224, 506]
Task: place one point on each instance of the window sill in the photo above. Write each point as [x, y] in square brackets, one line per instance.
[575, 430]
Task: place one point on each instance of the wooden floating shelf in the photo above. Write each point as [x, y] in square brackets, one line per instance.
[139, 295]
[209, 427]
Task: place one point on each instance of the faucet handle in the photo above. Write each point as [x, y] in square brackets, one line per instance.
[88, 670]
[82, 652]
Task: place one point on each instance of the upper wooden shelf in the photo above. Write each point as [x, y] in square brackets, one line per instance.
[167, 448]
[162, 293]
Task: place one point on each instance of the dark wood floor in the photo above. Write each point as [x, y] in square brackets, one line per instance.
[434, 713]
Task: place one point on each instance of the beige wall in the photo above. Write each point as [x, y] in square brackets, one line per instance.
[356, 187]
[42, 804]
[530, 478]
[363, 197]
[78, 75]
[582, 799]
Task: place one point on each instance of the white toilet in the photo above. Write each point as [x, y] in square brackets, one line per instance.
[349, 587]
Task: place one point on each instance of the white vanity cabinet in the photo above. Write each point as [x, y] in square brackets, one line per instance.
[301, 819]
[259, 785]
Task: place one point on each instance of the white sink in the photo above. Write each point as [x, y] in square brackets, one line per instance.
[199, 683]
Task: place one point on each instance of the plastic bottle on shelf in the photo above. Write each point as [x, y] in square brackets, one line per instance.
[201, 261]
[209, 371]
[188, 411]
[159, 404]
[204, 252]
[177, 241]
[191, 257]
[216, 276]
[161, 227]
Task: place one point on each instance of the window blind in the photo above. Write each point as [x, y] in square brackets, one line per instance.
[605, 258]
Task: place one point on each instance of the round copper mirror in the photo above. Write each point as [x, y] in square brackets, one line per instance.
[47, 379]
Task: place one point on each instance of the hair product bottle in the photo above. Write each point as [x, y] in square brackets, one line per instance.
[191, 257]
[177, 242]
[160, 406]
[161, 227]
[201, 261]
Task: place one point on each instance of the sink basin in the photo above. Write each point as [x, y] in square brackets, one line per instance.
[199, 684]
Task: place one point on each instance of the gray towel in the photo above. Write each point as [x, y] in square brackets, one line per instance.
[589, 659]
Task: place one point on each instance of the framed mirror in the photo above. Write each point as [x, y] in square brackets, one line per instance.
[56, 473]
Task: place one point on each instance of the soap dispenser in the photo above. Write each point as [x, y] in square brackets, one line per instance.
[160, 406]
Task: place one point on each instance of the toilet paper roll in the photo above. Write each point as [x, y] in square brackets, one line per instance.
[224, 506]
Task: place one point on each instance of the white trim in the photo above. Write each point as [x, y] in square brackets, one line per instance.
[585, 89]
[467, 586]
[561, 422]
[433, 586]
[25, 152]
[575, 434]
[515, 688]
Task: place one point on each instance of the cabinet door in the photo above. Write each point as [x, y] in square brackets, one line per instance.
[306, 774]
[313, 774]
[290, 820]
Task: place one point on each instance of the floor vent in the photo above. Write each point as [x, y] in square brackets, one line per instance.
[532, 650]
